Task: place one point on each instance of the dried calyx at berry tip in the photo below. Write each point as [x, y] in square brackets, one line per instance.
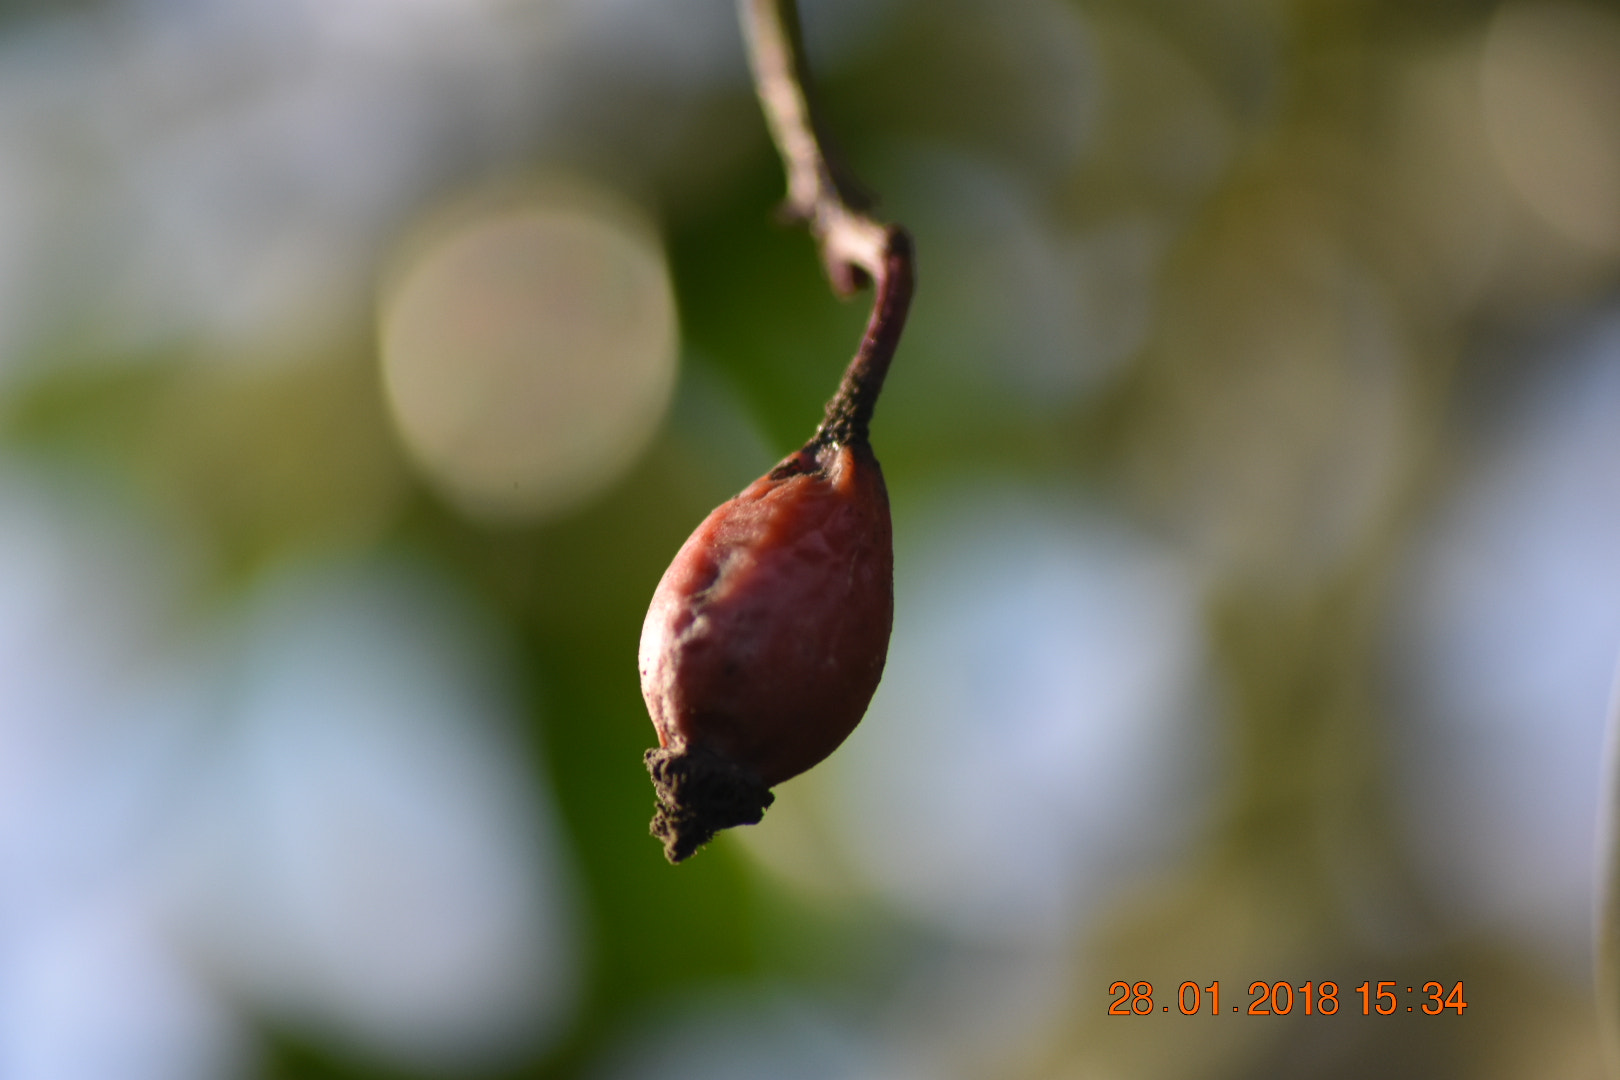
[699, 793]
[766, 636]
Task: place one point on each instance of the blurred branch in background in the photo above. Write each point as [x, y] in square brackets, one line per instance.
[360, 365]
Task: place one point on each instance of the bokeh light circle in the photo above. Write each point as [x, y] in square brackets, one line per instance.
[1550, 83]
[529, 353]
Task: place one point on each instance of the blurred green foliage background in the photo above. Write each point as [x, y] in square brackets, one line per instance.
[1256, 485]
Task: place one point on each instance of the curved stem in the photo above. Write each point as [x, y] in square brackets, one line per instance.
[854, 247]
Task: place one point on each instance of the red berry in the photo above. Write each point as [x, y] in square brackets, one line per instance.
[766, 639]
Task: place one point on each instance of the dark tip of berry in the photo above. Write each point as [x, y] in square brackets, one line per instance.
[798, 463]
[700, 793]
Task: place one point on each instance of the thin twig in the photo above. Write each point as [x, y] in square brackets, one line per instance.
[854, 247]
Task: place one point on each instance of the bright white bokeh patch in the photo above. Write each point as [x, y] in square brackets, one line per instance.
[87, 769]
[90, 985]
[373, 860]
[95, 992]
[223, 175]
[529, 354]
[1032, 735]
[318, 807]
[1507, 648]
